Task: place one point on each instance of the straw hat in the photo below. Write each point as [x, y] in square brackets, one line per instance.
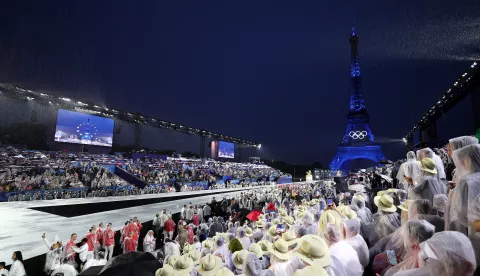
[272, 231]
[289, 220]
[248, 232]
[290, 238]
[265, 246]
[313, 250]
[280, 250]
[256, 249]
[172, 260]
[184, 264]
[282, 213]
[261, 217]
[349, 213]
[207, 244]
[238, 258]
[313, 270]
[187, 248]
[276, 221]
[385, 203]
[195, 255]
[329, 216]
[260, 224]
[166, 270]
[428, 165]
[405, 204]
[314, 201]
[209, 265]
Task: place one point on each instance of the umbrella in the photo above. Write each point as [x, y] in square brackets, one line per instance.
[253, 216]
[132, 264]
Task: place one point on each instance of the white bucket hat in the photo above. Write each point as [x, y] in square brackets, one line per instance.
[238, 258]
[313, 270]
[184, 264]
[313, 250]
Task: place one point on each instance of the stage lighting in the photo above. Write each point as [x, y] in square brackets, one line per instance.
[404, 140]
[29, 98]
[43, 94]
[259, 146]
[66, 99]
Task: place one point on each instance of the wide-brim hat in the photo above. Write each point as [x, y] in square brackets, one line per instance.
[224, 271]
[187, 248]
[312, 270]
[289, 220]
[282, 213]
[207, 243]
[404, 206]
[290, 237]
[166, 270]
[272, 231]
[184, 264]
[349, 213]
[265, 246]
[248, 232]
[195, 256]
[313, 250]
[238, 258]
[385, 203]
[256, 249]
[260, 224]
[209, 265]
[172, 260]
[329, 216]
[276, 221]
[280, 250]
[428, 165]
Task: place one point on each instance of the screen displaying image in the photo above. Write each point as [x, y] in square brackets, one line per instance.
[226, 150]
[80, 128]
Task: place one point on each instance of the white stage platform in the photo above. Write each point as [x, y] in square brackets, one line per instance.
[21, 228]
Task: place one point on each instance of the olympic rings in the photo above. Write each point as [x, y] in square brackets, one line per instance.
[358, 134]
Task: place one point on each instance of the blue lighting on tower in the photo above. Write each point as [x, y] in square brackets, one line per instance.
[358, 140]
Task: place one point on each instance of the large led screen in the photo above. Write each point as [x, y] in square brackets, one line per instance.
[226, 150]
[80, 128]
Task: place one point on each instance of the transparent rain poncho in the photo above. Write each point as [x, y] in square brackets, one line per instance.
[411, 169]
[363, 213]
[342, 250]
[447, 253]
[428, 153]
[351, 229]
[462, 141]
[440, 202]
[467, 161]
[383, 225]
[428, 186]
[414, 233]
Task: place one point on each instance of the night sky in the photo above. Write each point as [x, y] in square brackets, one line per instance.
[276, 72]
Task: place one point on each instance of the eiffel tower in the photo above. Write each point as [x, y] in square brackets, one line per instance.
[358, 141]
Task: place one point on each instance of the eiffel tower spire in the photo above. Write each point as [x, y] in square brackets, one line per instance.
[357, 102]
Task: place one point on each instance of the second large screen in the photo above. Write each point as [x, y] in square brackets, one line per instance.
[80, 128]
[226, 150]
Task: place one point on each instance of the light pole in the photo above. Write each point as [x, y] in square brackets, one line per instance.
[293, 172]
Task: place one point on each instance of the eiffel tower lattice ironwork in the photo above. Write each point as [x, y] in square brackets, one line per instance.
[358, 140]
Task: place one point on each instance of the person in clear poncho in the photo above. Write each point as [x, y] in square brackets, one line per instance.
[414, 233]
[428, 153]
[395, 241]
[447, 253]
[474, 213]
[456, 144]
[342, 250]
[351, 233]
[428, 185]
[385, 221]
[467, 162]
[411, 169]
[363, 213]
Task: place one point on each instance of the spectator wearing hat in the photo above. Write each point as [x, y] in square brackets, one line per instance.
[282, 262]
[209, 265]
